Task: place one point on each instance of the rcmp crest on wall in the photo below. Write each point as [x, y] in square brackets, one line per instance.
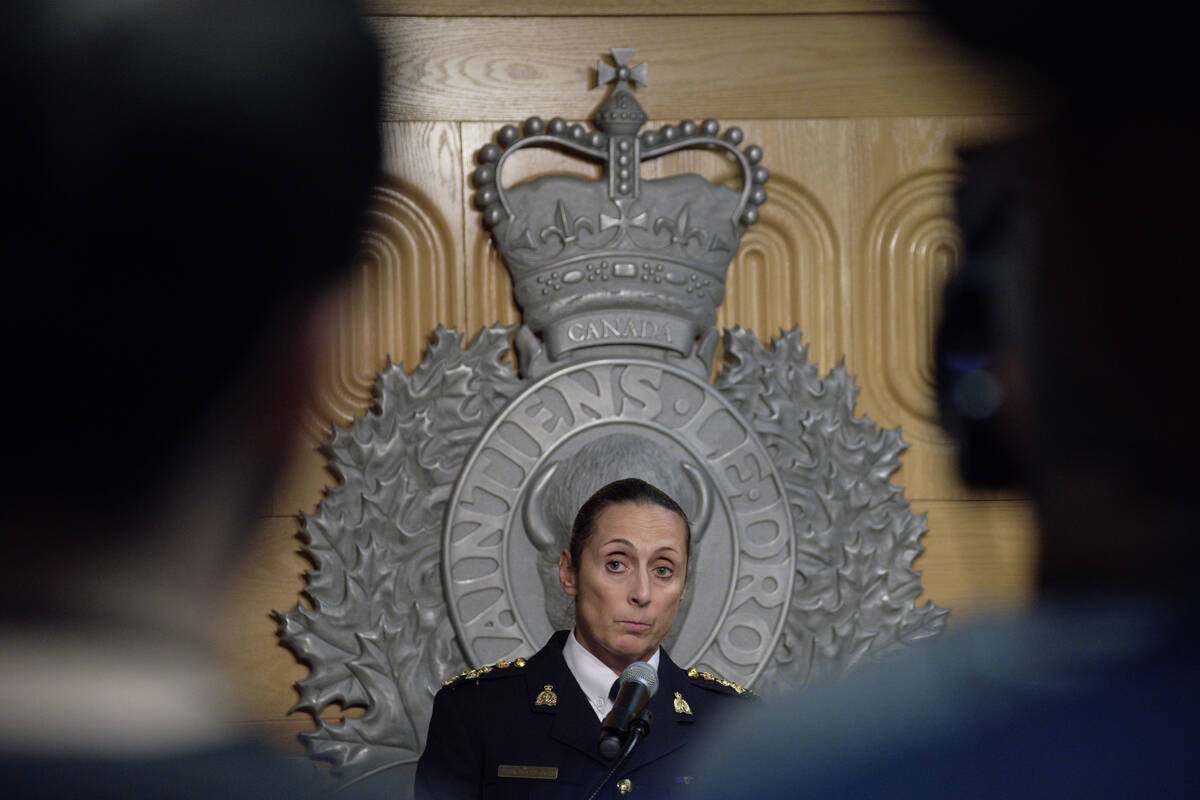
[437, 551]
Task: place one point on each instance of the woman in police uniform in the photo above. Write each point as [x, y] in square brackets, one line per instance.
[531, 727]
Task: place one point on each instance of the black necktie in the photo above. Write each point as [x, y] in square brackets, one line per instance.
[612, 693]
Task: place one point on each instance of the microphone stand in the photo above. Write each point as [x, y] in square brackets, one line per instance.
[638, 728]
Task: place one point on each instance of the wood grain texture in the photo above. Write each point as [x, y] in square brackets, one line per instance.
[979, 556]
[270, 577]
[902, 245]
[408, 274]
[656, 8]
[760, 67]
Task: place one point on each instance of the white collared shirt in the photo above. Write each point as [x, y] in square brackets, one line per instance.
[593, 675]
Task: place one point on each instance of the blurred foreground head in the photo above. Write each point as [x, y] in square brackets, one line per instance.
[1065, 347]
[183, 181]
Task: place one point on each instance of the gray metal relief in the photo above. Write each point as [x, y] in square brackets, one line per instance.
[438, 548]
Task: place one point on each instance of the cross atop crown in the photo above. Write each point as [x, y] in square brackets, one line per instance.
[622, 72]
[621, 116]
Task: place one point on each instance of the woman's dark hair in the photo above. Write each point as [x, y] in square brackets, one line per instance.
[626, 490]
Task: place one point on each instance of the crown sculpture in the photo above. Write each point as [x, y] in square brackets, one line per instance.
[438, 550]
[621, 260]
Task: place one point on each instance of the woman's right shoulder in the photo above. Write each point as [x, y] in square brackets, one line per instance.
[487, 673]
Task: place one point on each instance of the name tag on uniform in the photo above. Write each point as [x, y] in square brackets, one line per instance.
[518, 771]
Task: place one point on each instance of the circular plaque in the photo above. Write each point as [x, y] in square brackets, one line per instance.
[741, 575]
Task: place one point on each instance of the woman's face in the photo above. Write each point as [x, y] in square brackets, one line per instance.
[628, 583]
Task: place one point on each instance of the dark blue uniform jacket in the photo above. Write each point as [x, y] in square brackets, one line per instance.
[490, 737]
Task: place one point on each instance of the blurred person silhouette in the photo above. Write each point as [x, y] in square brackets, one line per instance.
[1064, 362]
[185, 180]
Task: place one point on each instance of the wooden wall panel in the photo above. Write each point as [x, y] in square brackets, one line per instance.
[858, 115]
[271, 577]
[787, 272]
[904, 247]
[410, 270]
[978, 556]
[656, 8]
[772, 67]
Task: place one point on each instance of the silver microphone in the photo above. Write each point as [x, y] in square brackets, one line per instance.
[639, 682]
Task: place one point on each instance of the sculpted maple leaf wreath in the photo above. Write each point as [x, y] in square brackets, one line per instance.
[378, 635]
[856, 536]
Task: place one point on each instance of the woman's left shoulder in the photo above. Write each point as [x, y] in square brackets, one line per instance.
[715, 683]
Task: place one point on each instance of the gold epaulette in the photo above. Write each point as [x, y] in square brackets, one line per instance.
[695, 674]
[472, 674]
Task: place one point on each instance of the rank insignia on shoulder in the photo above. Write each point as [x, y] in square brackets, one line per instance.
[462, 676]
[547, 697]
[476, 672]
[518, 663]
[708, 677]
[681, 705]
